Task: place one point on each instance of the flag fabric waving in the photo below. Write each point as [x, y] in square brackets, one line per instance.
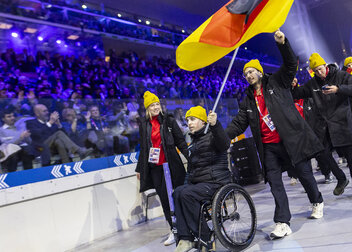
[231, 26]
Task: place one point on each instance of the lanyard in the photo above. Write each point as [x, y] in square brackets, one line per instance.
[96, 127]
[94, 124]
[299, 105]
[256, 102]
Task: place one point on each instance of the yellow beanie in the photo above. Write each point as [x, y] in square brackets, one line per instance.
[348, 60]
[149, 98]
[316, 60]
[255, 64]
[198, 112]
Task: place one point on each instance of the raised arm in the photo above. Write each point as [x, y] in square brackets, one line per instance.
[221, 141]
[288, 69]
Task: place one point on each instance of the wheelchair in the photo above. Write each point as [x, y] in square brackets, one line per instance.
[231, 217]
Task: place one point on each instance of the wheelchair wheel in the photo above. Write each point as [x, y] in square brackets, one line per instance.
[234, 217]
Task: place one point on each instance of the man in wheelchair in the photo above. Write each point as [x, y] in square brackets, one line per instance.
[207, 172]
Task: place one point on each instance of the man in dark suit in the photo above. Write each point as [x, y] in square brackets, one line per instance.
[47, 136]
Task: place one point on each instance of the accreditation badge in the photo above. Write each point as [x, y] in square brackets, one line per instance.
[269, 122]
[154, 155]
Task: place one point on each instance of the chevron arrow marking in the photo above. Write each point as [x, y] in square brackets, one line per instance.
[56, 171]
[77, 167]
[133, 157]
[117, 160]
[3, 185]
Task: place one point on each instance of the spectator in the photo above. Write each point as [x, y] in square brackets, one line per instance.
[75, 129]
[102, 135]
[48, 138]
[10, 134]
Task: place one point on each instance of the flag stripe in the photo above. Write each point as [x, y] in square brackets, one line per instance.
[255, 13]
[225, 29]
[202, 47]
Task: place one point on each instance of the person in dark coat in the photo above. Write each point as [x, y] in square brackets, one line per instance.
[325, 160]
[299, 106]
[207, 172]
[347, 66]
[162, 133]
[281, 135]
[330, 90]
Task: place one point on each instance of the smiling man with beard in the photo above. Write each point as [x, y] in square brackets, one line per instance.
[281, 135]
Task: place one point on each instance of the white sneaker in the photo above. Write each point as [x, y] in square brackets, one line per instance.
[317, 211]
[184, 246]
[281, 230]
[170, 240]
[293, 181]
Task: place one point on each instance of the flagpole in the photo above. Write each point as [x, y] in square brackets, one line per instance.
[222, 86]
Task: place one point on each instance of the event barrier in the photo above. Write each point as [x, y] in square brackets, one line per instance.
[61, 207]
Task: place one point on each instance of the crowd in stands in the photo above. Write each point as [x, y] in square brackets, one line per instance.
[60, 15]
[68, 77]
[96, 102]
[99, 102]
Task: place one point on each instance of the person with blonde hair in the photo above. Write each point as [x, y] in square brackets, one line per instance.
[159, 136]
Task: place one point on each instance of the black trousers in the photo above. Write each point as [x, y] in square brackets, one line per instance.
[188, 199]
[276, 156]
[10, 164]
[157, 175]
[347, 153]
[327, 162]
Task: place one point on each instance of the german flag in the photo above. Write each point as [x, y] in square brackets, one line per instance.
[231, 26]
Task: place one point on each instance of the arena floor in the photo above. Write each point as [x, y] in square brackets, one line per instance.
[331, 233]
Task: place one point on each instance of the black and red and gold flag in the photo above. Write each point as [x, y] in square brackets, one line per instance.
[231, 26]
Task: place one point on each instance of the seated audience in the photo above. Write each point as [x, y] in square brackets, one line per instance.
[10, 134]
[47, 138]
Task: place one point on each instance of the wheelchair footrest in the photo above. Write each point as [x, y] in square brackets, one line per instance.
[210, 246]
